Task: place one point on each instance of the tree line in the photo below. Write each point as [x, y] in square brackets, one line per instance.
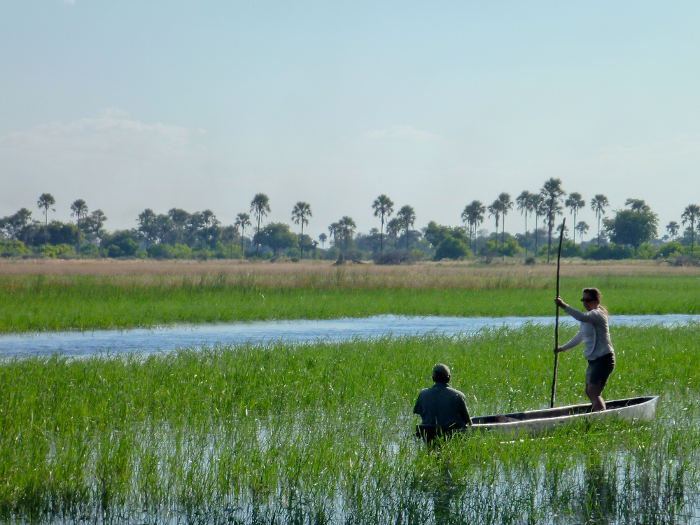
[628, 232]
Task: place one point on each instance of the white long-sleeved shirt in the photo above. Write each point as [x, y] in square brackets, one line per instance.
[593, 332]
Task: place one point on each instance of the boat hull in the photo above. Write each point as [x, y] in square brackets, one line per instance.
[537, 421]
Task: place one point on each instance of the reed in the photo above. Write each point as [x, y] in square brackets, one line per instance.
[322, 433]
[85, 302]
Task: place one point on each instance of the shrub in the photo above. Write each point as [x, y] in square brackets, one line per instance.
[670, 249]
[608, 251]
[13, 248]
[54, 251]
[395, 257]
[451, 248]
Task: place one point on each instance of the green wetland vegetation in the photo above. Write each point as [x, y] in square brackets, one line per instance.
[322, 433]
[86, 302]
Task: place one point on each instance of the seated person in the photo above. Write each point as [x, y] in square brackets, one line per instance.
[443, 409]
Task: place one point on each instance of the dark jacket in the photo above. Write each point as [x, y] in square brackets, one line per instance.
[442, 407]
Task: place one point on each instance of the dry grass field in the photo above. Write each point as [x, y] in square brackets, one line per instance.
[458, 274]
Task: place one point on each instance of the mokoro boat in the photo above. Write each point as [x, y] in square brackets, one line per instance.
[537, 421]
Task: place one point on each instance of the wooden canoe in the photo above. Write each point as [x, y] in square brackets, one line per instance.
[536, 421]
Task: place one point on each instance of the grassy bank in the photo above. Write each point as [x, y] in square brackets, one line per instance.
[321, 433]
[59, 302]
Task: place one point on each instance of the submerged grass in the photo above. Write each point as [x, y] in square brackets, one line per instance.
[322, 434]
[85, 302]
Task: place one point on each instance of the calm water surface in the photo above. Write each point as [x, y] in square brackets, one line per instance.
[169, 338]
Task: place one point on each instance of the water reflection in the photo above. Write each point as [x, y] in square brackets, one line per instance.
[169, 338]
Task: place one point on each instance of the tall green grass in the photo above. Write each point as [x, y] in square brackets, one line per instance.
[323, 434]
[31, 303]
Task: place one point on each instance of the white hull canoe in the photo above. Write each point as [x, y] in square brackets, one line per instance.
[537, 421]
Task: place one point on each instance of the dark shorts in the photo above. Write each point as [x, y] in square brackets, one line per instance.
[600, 369]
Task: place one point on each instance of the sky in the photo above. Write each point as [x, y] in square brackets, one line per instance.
[159, 104]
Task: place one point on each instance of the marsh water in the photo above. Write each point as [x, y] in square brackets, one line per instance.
[172, 337]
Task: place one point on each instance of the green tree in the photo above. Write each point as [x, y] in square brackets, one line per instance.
[524, 205]
[259, 207]
[122, 243]
[581, 228]
[449, 243]
[241, 223]
[393, 228]
[14, 226]
[539, 208]
[552, 194]
[494, 210]
[637, 205]
[407, 217]
[343, 233]
[300, 214]
[277, 236]
[505, 205]
[383, 207]
[672, 228]
[574, 202]
[598, 204]
[323, 237]
[79, 210]
[451, 248]
[45, 202]
[472, 216]
[632, 228]
[180, 218]
[147, 225]
[93, 226]
[228, 235]
[689, 217]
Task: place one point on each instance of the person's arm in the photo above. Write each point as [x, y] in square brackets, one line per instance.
[584, 317]
[463, 410]
[575, 341]
[418, 408]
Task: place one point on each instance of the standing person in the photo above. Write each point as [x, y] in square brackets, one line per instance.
[595, 335]
[442, 409]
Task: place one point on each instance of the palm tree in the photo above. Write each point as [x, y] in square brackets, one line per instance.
[45, 202]
[574, 202]
[506, 205]
[322, 238]
[393, 228]
[345, 228]
[598, 205]
[524, 204]
[495, 212]
[407, 217]
[689, 216]
[300, 212]
[473, 215]
[582, 228]
[242, 222]
[537, 206]
[552, 193]
[333, 232]
[672, 229]
[260, 207]
[637, 205]
[79, 210]
[383, 207]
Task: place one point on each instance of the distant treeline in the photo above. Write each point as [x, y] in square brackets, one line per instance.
[631, 232]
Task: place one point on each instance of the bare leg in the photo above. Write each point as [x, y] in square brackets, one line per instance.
[593, 392]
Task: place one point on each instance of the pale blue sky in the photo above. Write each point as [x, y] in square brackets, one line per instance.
[160, 104]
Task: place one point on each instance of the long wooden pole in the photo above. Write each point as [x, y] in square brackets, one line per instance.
[556, 323]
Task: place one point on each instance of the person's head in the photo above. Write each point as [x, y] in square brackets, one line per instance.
[591, 298]
[441, 374]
